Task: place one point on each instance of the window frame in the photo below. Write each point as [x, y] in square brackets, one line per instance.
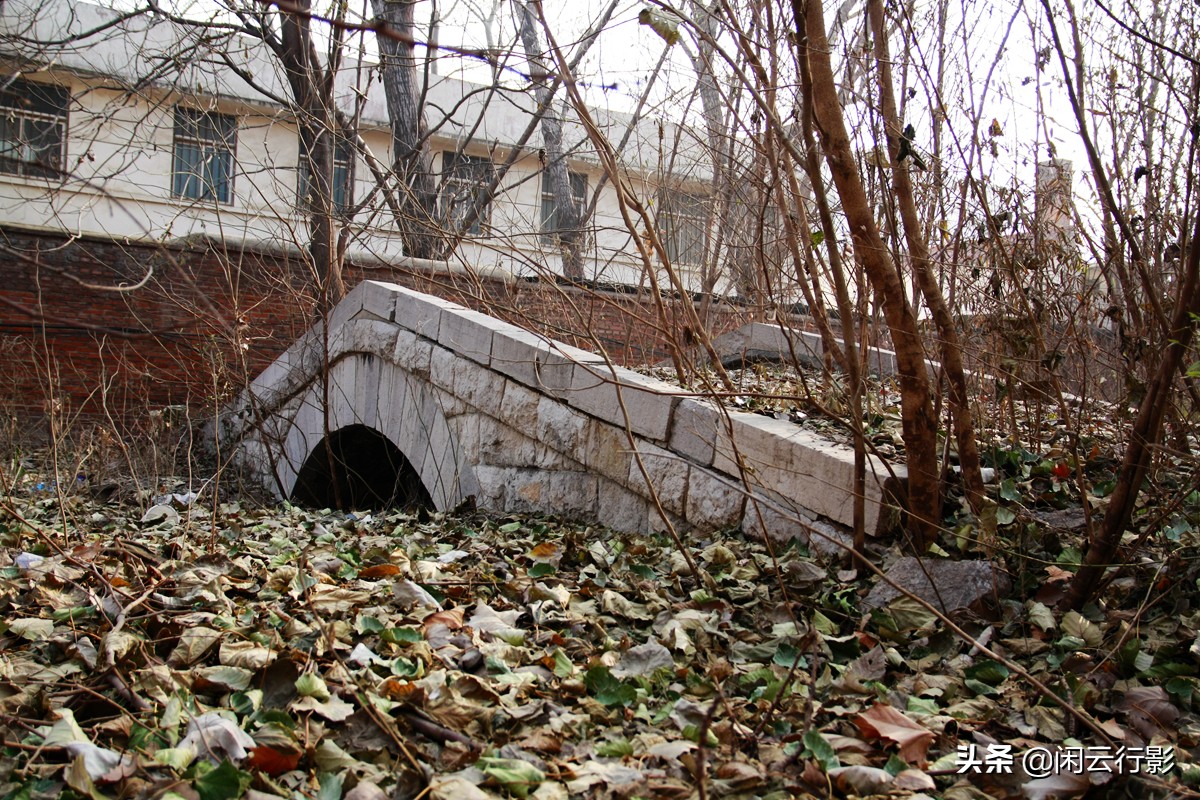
[549, 207]
[22, 107]
[462, 176]
[674, 221]
[344, 157]
[213, 135]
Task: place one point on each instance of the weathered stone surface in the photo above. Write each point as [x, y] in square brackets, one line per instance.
[623, 510]
[560, 427]
[412, 353]
[479, 407]
[379, 300]
[421, 313]
[694, 427]
[608, 451]
[549, 491]
[546, 366]
[600, 391]
[791, 462]
[369, 336]
[468, 333]
[668, 474]
[946, 585]
[466, 380]
[714, 502]
[503, 446]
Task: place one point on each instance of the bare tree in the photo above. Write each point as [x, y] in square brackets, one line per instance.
[567, 220]
[413, 164]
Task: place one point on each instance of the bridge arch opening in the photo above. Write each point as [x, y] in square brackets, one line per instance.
[357, 467]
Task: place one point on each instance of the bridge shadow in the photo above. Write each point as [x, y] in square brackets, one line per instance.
[357, 467]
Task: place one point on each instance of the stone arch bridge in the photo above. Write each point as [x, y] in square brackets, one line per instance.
[404, 397]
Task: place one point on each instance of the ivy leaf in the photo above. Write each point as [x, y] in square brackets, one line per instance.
[821, 750]
[223, 782]
[608, 690]
[1076, 625]
[517, 777]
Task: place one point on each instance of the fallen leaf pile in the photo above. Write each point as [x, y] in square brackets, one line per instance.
[185, 651]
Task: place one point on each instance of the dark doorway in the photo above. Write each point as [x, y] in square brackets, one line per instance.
[367, 471]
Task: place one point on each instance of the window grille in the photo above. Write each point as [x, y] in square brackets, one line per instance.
[204, 148]
[465, 186]
[33, 125]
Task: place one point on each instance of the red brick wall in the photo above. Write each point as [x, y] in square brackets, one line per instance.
[202, 319]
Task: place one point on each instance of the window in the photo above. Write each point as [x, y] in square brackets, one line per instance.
[204, 147]
[343, 179]
[466, 181]
[33, 124]
[550, 207]
[683, 225]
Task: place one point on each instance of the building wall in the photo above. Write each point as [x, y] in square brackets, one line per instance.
[209, 316]
[205, 315]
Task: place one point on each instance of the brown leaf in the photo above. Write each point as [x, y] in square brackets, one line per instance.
[884, 722]
[452, 618]
[861, 780]
[545, 551]
[378, 571]
[914, 780]
[1150, 710]
[273, 762]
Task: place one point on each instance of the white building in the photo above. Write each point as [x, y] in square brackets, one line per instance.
[139, 129]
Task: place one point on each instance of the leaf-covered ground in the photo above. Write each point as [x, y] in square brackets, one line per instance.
[169, 649]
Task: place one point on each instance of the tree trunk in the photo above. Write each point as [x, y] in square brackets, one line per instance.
[918, 250]
[413, 163]
[1144, 438]
[715, 131]
[568, 218]
[916, 407]
[312, 91]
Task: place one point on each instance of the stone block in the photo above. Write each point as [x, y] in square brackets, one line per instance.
[502, 446]
[621, 509]
[493, 487]
[519, 407]
[369, 336]
[713, 502]
[791, 462]
[541, 364]
[421, 313]
[412, 353]
[753, 441]
[668, 474]
[366, 388]
[391, 404]
[348, 307]
[760, 340]
[343, 396]
[466, 380]
[694, 427]
[608, 451]
[601, 390]
[561, 428]
[379, 300]
[468, 333]
[781, 521]
[552, 492]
